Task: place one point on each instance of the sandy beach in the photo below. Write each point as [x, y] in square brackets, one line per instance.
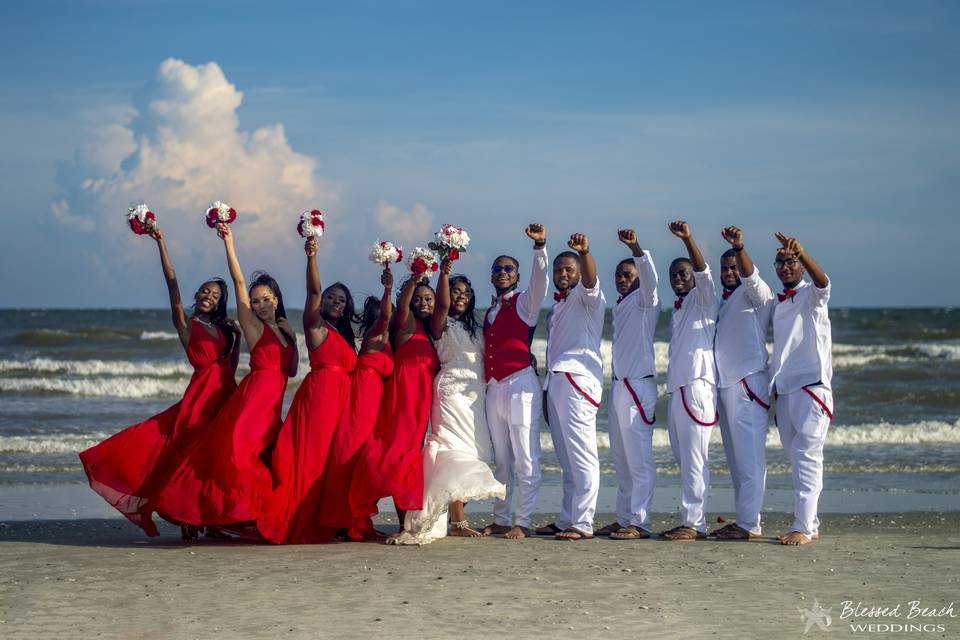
[98, 578]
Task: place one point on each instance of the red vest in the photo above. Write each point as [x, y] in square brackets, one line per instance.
[507, 342]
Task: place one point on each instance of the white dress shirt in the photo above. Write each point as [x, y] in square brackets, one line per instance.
[692, 331]
[802, 341]
[741, 346]
[634, 322]
[576, 325]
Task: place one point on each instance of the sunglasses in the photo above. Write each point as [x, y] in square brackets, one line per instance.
[506, 268]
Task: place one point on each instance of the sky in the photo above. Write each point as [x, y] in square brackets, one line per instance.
[837, 123]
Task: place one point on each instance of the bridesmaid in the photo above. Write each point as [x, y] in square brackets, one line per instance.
[304, 441]
[130, 467]
[392, 464]
[374, 367]
[223, 480]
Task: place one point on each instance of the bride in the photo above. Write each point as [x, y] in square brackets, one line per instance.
[458, 452]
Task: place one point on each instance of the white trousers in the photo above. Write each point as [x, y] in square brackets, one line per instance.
[743, 425]
[573, 426]
[631, 445]
[803, 420]
[513, 416]
[692, 408]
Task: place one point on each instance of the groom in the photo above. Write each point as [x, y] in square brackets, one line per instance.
[512, 385]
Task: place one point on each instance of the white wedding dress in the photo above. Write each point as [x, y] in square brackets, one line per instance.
[458, 452]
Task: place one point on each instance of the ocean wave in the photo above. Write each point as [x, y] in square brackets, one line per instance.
[138, 387]
[51, 443]
[47, 337]
[845, 356]
[925, 432]
[158, 335]
[162, 368]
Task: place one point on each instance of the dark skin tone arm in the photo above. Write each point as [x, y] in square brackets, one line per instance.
[179, 316]
[734, 236]
[314, 327]
[377, 337]
[791, 245]
[629, 238]
[403, 320]
[438, 321]
[682, 230]
[588, 266]
[249, 323]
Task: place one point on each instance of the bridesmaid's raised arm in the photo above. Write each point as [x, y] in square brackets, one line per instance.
[249, 323]
[403, 320]
[314, 328]
[180, 321]
[386, 303]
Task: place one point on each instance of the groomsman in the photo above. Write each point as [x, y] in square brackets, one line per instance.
[634, 390]
[691, 382]
[574, 384]
[741, 353]
[801, 370]
[512, 386]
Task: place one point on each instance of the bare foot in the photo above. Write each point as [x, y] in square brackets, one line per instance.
[496, 529]
[795, 538]
[461, 529]
[518, 533]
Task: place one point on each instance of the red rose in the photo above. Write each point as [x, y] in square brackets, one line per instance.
[316, 212]
[317, 222]
[233, 215]
[135, 226]
[418, 266]
[211, 218]
[151, 216]
[434, 266]
[399, 254]
[300, 229]
[454, 254]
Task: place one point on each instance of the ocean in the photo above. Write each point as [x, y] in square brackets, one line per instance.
[69, 378]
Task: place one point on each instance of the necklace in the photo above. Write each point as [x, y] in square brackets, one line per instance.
[203, 322]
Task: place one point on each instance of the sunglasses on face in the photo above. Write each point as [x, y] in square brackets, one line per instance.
[506, 268]
[790, 262]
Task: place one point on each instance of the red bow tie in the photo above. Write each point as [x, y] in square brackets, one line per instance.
[620, 299]
[727, 293]
[559, 295]
[787, 293]
[678, 303]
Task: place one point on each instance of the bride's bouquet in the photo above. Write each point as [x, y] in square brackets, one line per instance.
[311, 224]
[423, 260]
[450, 241]
[141, 219]
[220, 212]
[385, 253]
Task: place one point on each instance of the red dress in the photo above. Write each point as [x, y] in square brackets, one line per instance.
[130, 467]
[290, 515]
[355, 429]
[223, 479]
[392, 464]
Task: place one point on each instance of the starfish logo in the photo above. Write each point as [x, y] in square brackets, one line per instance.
[817, 616]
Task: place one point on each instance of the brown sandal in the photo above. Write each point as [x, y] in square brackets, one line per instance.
[683, 534]
[630, 533]
[573, 534]
[609, 529]
[734, 532]
[548, 530]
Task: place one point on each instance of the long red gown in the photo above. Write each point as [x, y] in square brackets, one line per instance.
[392, 464]
[223, 479]
[290, 515]
[130, 467]
[355, 429]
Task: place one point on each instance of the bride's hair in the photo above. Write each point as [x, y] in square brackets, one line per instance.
[469, 317]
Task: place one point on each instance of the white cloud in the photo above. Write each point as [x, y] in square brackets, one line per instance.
[181, 148]
[405, 227]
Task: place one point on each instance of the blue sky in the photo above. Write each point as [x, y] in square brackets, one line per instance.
[834, 122]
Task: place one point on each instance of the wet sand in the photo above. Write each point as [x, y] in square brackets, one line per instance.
[100, 578]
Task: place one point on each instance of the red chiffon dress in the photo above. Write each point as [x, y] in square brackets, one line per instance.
[356, 427]
[392, 464]
[223, 479]
[290, 515]
[130, 467]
